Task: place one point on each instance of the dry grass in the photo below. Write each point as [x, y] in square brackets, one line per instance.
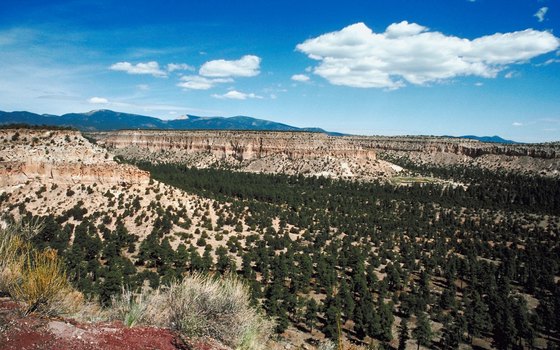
[42, 280]
[37, 279]
[14, 247]
[199, 306]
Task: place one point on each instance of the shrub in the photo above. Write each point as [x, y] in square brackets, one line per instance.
[41, 281]
[34, 277]
[131, 307]
[199, 306]
[14, 245]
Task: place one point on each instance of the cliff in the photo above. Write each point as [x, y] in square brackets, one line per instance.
[240, 145]
[320, 154]
[59, 156]
[466, 147]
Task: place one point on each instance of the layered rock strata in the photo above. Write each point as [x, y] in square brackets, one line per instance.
[59, 156]
[246, 145]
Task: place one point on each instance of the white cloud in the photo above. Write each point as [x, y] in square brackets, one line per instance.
[98, 100]
[300, 77]
[410, 53]
[541, 13]
[143, 87]
[237, 95]
[151, 67]
[511, 74]
[551, 61]
[246, 66]
[195, 82]
[171, 67]
[517, 124]
[478, 84]
[397, 30]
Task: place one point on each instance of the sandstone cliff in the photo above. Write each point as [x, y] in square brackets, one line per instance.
[290, 153]
[320, 154]
[243, 145]
[466, 147]
[59, 156]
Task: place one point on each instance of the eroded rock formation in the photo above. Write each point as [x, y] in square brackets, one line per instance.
[244, 145]
[59, 156]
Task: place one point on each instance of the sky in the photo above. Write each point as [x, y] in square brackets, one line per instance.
[384, 67]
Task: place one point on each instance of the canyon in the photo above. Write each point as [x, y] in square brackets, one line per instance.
[363, 157]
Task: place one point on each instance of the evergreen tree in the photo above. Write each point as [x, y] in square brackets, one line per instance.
[423, 331]
[311, 314]
[476, 315]
[403, 334]
[386, 320]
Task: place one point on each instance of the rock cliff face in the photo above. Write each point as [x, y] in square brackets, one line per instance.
[291, 153]
[320, 154]
[59, 156]
[531, 159]
[469, 148]
[244, 145]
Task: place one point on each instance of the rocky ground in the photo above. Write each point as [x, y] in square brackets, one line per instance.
[35, 332]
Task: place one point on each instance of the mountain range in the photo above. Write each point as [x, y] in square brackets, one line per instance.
[107, 120]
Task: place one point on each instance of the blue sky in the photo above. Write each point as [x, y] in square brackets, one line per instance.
[388, 67]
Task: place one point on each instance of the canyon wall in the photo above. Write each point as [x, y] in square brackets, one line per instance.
[466, 147]
[243, 145]
[321, 154]
[59, 156]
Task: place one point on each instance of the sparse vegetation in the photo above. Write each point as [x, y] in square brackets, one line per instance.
[199, 306]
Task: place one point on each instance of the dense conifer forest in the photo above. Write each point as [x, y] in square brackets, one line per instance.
[373, 262]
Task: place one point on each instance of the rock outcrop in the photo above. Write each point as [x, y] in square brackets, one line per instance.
[59, 156]
[320, 154]
[242, 145]
[466, 147]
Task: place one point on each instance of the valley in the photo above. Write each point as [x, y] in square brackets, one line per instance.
[338, 238]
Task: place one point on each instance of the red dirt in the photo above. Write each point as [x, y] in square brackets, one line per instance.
[35, 332]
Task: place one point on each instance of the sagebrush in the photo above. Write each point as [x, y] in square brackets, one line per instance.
[199, 305]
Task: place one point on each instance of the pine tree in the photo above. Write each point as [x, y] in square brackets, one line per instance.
[311, 314]
[476, 315]
[423, 331]
[332, 319]
[386, 320]
[403, 334]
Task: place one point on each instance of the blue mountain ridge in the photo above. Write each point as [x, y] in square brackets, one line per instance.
[107, 120]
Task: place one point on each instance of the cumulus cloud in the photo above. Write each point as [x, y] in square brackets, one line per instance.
[408, 53]
[300, 77]
[171, 67]
[236, 95]
[151, 68]
[541, 13]
[196, 82]
[98, 100]
[246, 66]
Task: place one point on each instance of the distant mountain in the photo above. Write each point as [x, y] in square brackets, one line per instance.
[106, 120]
[491, 139]
[494, 139]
